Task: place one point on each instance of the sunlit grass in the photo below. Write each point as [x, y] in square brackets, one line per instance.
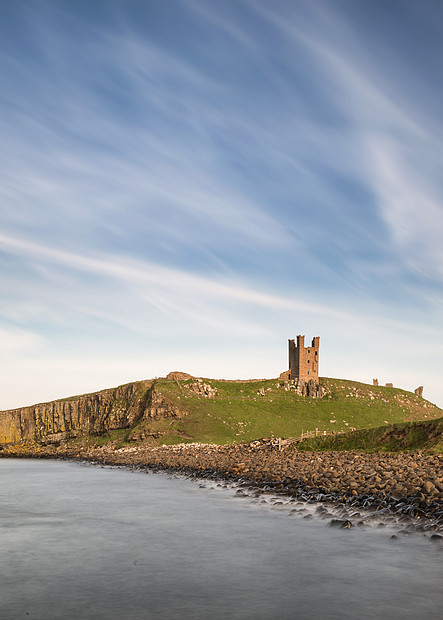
[239, 413]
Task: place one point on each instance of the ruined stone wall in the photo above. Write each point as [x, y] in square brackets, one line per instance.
[309, 388]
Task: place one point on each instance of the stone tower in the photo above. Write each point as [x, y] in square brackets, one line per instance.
[303, 361]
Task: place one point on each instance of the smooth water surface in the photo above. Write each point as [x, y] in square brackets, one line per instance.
[102, 543]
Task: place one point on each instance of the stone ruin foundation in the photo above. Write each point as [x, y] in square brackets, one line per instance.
[303, 388]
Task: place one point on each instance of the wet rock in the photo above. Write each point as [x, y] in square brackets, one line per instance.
[342, 524]
[436, 538]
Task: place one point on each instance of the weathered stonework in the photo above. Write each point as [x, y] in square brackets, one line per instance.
[284, 376]
[303, 361]
[419, 391]
[309, 388]
[201, 388]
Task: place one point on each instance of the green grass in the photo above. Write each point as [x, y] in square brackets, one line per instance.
[238, 413]
[118, 436]
[425, 435]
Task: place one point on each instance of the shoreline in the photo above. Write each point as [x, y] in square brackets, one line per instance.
[350, 488]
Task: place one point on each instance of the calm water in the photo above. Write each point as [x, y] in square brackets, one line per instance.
[89, 542]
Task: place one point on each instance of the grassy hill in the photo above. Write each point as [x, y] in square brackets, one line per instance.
[240, 411]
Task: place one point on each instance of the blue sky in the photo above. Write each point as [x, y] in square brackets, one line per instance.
[187, 184]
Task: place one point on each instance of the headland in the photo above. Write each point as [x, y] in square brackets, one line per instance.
[249, 432]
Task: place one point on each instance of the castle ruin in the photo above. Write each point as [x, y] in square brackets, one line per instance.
[303, 361]
[302, 376]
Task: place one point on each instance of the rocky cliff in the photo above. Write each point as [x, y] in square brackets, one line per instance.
[89, 414]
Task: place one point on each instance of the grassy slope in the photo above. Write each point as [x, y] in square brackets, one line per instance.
[238, 413]
[426, 435]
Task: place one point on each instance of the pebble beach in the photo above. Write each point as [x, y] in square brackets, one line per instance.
[350, 488]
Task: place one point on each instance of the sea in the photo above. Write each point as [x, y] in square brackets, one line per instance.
[81, 541]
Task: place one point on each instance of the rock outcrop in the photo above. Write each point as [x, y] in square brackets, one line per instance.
[304, 388]
[178, 375]
[201, 388]
[89, 414]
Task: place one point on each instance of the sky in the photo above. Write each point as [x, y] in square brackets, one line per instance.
[184, 185]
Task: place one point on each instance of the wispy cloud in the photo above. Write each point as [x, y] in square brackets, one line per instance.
[212, 177]
[395, 149]
[174, 292]
[411, 206]
[128, 270]
[155, 171]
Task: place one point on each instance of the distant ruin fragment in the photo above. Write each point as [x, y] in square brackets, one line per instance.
[419, 391]
[374, 381]
[389, 385]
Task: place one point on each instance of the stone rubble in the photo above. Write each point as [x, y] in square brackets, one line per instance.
[201, 388]
[303, 388]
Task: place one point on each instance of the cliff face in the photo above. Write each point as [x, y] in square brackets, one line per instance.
[89, 414]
